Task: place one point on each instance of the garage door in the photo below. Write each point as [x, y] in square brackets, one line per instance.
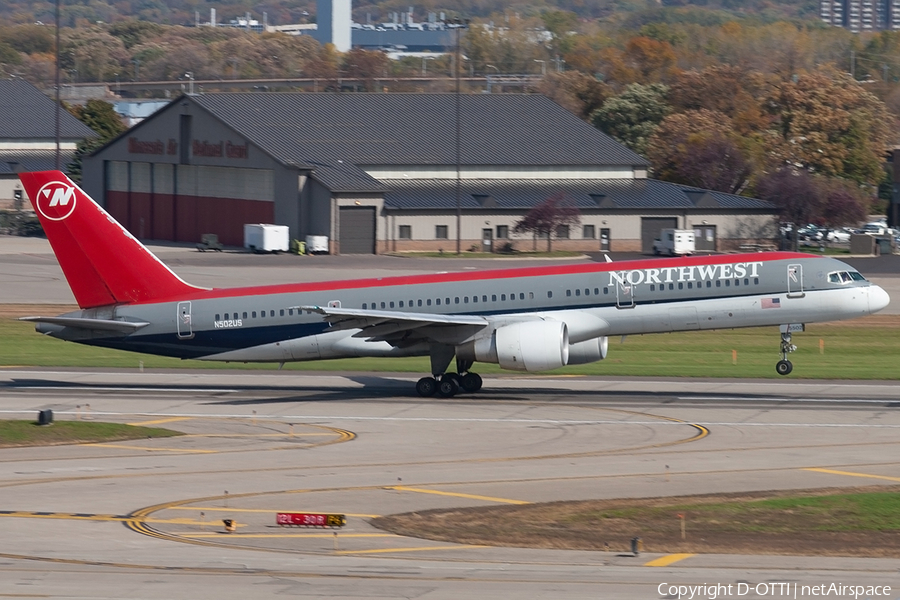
[650, 228]
[357, 230]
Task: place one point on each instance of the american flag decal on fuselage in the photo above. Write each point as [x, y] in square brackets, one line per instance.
[771, 302]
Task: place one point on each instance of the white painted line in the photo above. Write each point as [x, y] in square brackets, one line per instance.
[85, 388]
[770, 399]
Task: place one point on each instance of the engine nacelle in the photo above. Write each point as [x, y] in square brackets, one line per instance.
[588, 351]
[527, 346]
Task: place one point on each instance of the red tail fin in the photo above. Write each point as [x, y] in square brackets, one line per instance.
[103, 263]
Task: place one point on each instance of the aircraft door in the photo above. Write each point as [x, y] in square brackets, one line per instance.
[184, 326]
[795, 281]
[624, 295]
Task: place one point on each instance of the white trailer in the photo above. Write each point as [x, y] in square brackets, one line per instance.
[674, 242]
[261, 237]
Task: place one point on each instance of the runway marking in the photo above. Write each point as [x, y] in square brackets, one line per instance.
[665, 561]
[851, 474]
[287, 535]
[85, 388]
[159, 421]
[21, 514]
[402, 488]
[263, 510]
[125, 447]
[422, 549]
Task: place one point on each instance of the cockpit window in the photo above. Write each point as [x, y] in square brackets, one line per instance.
[845, 277]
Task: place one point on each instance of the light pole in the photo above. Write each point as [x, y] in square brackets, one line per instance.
[458, 24]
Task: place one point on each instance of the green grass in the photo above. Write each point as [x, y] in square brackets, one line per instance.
[875, 511]
[29, 433]
[863, 351]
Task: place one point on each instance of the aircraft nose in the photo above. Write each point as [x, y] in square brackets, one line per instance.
[878, 299]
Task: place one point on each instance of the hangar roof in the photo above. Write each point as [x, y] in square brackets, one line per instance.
[29, 114]
[349, 132]
[585, 194]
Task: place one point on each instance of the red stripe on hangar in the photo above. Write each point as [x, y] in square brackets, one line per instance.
[629, 265]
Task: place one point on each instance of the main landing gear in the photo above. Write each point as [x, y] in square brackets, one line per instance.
[446, 384]
[784, 366]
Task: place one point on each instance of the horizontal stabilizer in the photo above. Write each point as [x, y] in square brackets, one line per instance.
[124, 327]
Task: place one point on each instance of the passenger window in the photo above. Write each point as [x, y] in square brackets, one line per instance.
[474, 298]
[503, 297]
[756, 281]
[596, 291]
[718, 283]
[245, 315]
[254, 314]
[737, 282]
[680, 286]
[709, 284]
[484, 298]
[218, 319]
[577, 292]
[446, 300]
[671, 286]
[747, 281]
[690, 285]
[606, 290]
[392, 304]
[428, 301]
[401, 304]
[568, 292]
[419, 303]
[549, 294]
[364, 306]
[652, 288]
[727, 283]
[438, 301]
[465, 300]
[456, 300]
[531, 295]
[493, 297]
[291, 312]
[382, 305]
[281, 313]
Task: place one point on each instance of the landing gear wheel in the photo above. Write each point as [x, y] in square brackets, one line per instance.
[426, 387]
[470, 382]
[447, 387]
[784, 367]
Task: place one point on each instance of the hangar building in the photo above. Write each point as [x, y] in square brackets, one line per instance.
[378, 173]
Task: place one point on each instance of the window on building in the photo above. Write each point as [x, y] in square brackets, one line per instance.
[440, 232]
[502, 232]
[405, 232]
[588, 232]
[562, 232]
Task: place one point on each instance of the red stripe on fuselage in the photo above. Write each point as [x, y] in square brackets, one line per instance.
[456, 277]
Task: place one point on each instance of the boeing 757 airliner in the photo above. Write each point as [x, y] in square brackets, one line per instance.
[526, 319]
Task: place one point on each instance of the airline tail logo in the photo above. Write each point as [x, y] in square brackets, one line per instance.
[56, 200]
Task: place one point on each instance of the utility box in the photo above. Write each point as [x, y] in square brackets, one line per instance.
[266, 238]
[317, 244]
[675, 242]
[861, 243]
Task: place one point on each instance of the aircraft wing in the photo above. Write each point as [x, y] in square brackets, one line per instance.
[401, 328]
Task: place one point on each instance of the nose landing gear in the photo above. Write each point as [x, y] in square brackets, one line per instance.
[784, 366]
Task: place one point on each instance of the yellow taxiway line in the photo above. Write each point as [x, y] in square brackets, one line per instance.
[852, 474]
[402, 488]
[287, 535]
[665, 561]
[423, 549]
[160, 421]
[265, 510]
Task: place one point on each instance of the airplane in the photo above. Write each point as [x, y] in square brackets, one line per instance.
[524, 319]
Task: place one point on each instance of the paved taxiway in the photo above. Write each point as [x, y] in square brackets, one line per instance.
[142, 519]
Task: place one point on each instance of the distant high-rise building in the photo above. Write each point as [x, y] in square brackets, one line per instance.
[861, 15]
[334, 22]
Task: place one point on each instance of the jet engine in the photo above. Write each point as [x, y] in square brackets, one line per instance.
[588, 351]
[526, 346]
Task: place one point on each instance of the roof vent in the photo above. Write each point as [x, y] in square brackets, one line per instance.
[602, 200]
[485, 200]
